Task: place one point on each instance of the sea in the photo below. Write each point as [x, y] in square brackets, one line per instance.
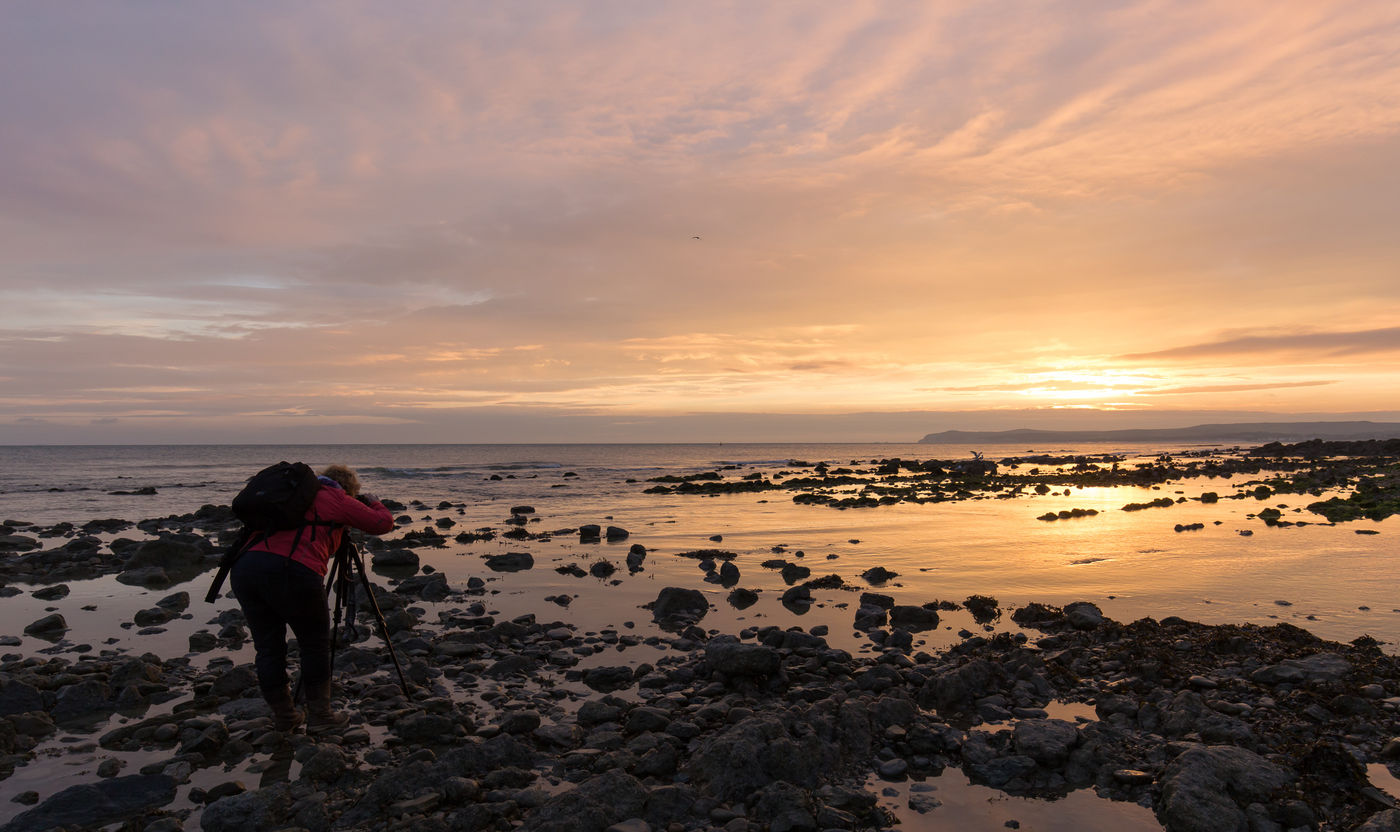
[1233, 568]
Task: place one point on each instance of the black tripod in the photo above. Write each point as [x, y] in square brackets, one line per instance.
[345, 563]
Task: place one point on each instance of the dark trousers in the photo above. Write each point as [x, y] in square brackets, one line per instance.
[276, 592]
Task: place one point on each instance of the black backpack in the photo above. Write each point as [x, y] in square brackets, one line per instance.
[275, 499]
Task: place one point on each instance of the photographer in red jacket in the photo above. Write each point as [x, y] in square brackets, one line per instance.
[278, 584]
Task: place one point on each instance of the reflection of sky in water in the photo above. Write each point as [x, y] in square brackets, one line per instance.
[1131, 563]
[959, 804]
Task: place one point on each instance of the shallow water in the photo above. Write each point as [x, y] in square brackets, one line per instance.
[951, 801]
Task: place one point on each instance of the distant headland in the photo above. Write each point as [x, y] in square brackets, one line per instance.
[1239, 432]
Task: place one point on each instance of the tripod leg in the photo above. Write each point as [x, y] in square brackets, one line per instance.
[335, 579]
[359, 563]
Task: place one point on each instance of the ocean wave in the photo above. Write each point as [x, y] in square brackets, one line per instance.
[447, 471]
[417, 473]
[521, 466]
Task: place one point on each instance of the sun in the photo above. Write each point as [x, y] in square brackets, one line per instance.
[1085, 386]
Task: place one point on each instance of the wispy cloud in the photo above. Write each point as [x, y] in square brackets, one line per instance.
[1307, 346]
[1232, 388]
[323, 207]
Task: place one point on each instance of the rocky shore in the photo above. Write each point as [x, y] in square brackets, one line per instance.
[1213, 727]
[532, 721]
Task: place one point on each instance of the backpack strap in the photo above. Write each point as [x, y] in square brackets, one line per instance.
[313, 523]
[241, 544]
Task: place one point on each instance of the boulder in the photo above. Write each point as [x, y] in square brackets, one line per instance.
[593, 806]
[176, 602]
[1315, 669]
[910, 617]
[742, 599]
[431, 587]
[675, 603]
[147, 576]
[235, 680]
[51, 626]
[797, 599]
[425, 729]
[876, 599]
[1047, 741]
[750, 754]
[17, 697]
[17, 543]
[1083, 615]
[1387, 820]
[1206, 788]
[257, 809]
[152, 616]
[186, 554]
[956, 690]
[51, 593]
[99, 804]
[878, 575]
[793, 572]
[730, 657]
[869, 616]
[510, 562]
[395, 558]
[785, 808]
[608, 679]
[82, 701]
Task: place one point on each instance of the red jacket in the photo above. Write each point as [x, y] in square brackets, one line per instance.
[316, 543]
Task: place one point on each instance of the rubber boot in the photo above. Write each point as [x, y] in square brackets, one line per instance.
[285, 716]
[320, 719]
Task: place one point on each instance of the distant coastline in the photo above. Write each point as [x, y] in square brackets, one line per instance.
[1241, 432]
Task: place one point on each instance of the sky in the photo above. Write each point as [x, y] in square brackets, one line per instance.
[458, 221]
